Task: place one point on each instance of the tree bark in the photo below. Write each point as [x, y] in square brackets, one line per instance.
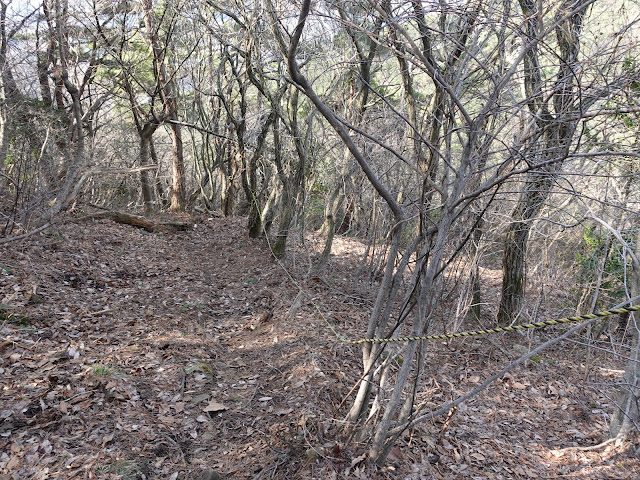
[360, 96]
[168, 93]
[548, 147]
[145, 223]
[147, 187]
[627, 415]
[292, 183]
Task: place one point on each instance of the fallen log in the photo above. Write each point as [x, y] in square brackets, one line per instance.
[145, 223]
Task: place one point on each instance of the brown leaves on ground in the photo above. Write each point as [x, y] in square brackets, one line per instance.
[127, 354]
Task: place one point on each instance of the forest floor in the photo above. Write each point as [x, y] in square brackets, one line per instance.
[134, 355]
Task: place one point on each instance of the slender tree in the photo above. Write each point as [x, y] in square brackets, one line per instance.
[167, 89]
[554, 116]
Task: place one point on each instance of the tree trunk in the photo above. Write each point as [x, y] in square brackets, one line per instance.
[177, 169]
[475, 309]
[366, 54]
[76, 160]
[269, 209]
[250, 179]
[626, 416]
[515, 248]
[147, 188]
[170, 105]
[547, 148]
[288, 196]
[292, 182]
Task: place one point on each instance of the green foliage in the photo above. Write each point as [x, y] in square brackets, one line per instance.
[14, 318]
[628, 120]
[314, 209]
[591, 250]
[631, 68]
[101, 370]
[190, 306]
[594, 246]
[409, 232]
[319, 188]
[125, 469]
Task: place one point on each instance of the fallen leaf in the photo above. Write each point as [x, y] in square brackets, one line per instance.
[85, 405]
[357, 460]
[166, 419]
[12, 463]
[576, 433]
[396, 454]
[106, 439]
[214, 407]
[203, 397]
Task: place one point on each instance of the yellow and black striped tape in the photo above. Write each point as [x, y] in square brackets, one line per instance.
[473, 333]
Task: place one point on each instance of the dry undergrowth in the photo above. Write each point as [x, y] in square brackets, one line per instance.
[127, 354]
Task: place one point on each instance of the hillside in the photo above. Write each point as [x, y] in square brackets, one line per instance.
[136, 355]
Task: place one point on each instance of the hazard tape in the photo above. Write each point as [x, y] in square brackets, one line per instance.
[475, 333]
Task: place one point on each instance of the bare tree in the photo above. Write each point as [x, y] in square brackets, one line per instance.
[554, 113]
[61, 113]
[167, 89]
[473, 147]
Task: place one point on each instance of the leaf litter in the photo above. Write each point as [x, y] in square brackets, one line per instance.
[125, 354]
